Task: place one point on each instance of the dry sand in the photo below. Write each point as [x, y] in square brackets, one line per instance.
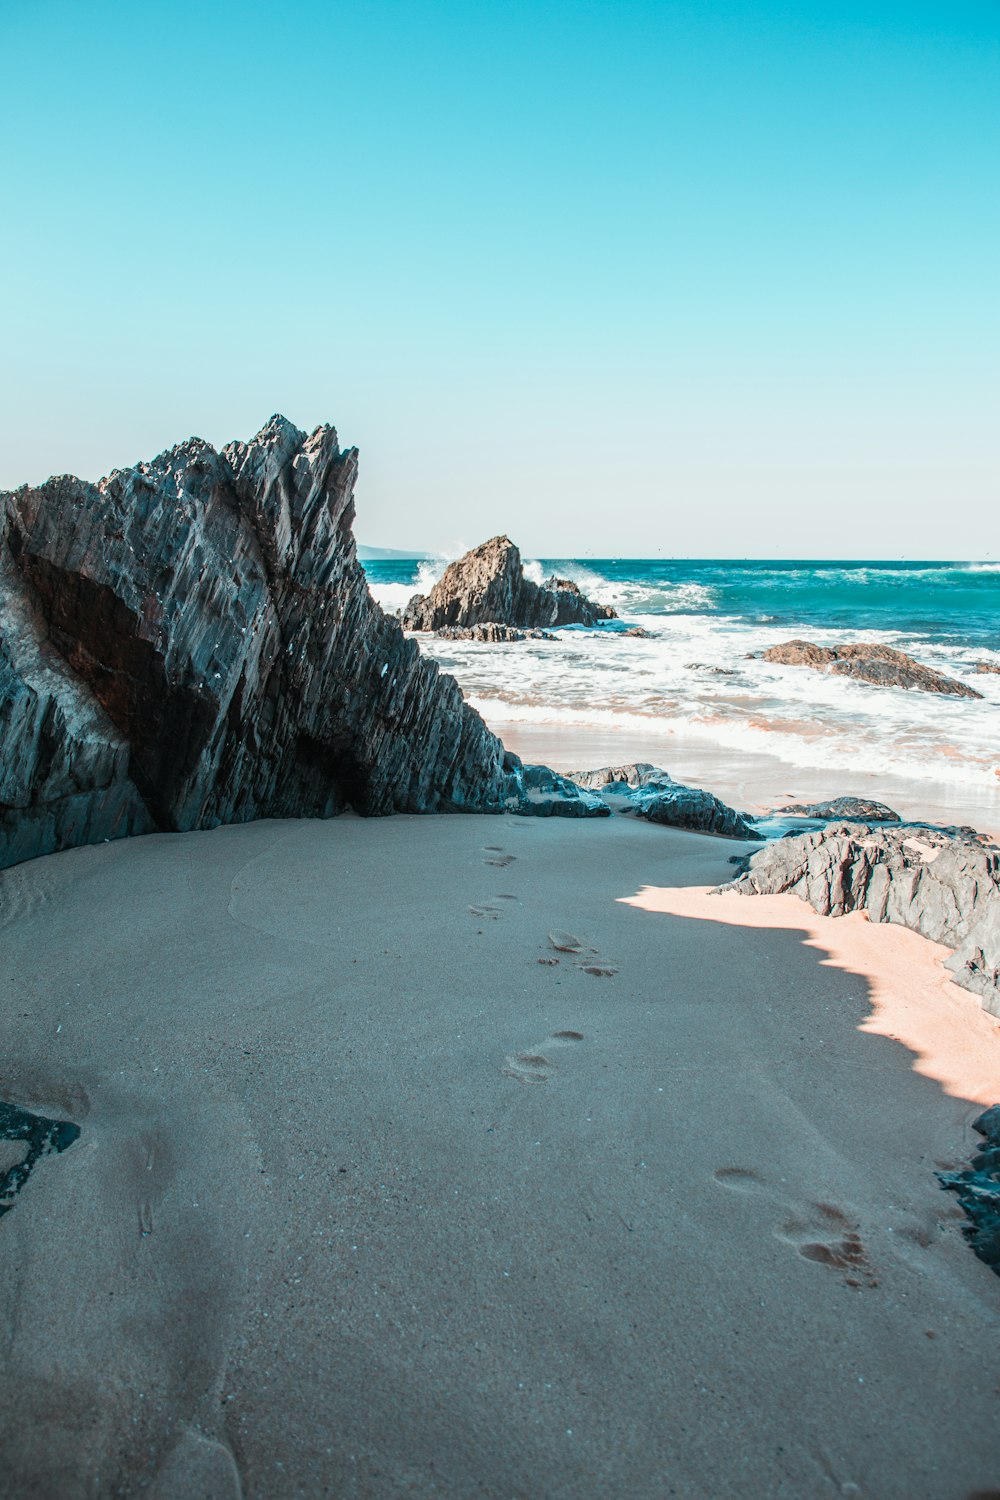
[368, 1201]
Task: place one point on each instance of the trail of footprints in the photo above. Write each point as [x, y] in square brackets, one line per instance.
[822, 1232]
[537, 1064]
[585, 958]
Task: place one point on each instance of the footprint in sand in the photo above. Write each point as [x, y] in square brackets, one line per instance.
[828, 1237]
[486, 911]
[822, 1233]
[497, 856]
[586, 957]
[492, 910]
[535, 1066]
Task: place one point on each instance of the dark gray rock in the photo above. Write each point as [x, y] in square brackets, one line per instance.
[978, 1190]
[541, 793]
[40, 1137]
[192, 642]
[488, 586]
[646, 791]
[943, 883]
[859, 808]
[636, 773]
[868, 662]
[492, 633]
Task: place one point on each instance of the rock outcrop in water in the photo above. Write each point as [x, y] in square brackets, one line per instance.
[869, 662]
[943, 883]
[488, 587]
[859, 808]
[647, 792]
[192, 642]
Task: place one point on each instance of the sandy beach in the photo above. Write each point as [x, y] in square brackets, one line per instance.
[379, 1192]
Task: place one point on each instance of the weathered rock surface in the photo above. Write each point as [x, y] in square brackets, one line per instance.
[867, 661]
[491, 633]
[987, 666]
[542, 793]
[488, 586]
[192, 642]
[844, 807]
[943, 883]
[648, 792]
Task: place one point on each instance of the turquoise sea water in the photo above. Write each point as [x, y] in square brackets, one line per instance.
[698, 674]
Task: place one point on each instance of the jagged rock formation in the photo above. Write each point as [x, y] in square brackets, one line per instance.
[943, 883]
[647, 792]
[869, 662]
[493, 634]
[859, 808]
[488, 586]
[192, 642]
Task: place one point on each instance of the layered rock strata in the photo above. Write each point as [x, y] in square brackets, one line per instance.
[867, 661]
[646, 791]
[943, 883]
[488, 587]
[192, 642]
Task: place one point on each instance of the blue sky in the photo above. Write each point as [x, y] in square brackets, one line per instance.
[634, 278]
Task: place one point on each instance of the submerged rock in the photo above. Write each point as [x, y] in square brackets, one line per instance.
[192, 641]
[867, 661]
[943, 883]
[488, 586]
[843, 807]
[646, 791]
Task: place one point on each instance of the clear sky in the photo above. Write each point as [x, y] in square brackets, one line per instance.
[709, 278]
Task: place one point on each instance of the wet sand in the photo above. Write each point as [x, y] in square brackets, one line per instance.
[754, 782]
[380, 1192]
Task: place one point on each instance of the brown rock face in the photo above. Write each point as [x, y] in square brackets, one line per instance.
[868, 662]
[192, 642]
[488, 586]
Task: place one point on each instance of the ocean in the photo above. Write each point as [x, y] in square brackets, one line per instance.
[697, 682]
